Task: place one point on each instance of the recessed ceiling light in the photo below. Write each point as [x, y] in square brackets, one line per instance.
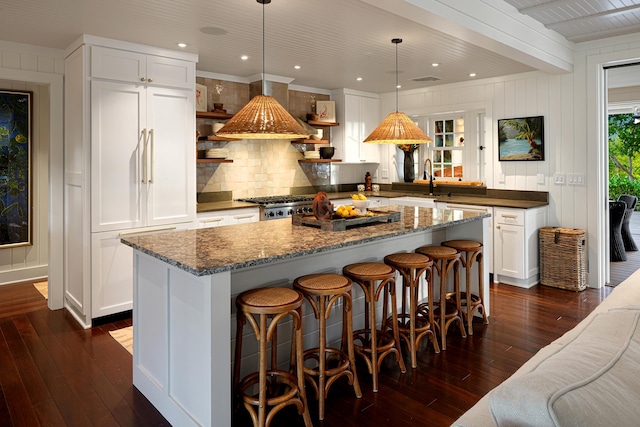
[435, 64]
[183, 45]
[359, 79]
[472, 74]
[244, 57]
[213, 31]
[297, 67]
[398, 86]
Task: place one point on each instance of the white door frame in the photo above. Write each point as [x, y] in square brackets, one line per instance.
[596, 127]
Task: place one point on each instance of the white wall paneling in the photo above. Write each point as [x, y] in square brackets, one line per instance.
[39, 70]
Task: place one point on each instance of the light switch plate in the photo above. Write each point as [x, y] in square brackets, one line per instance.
[385, 173]
[575, 179]
[501, 178]
[558, 178]
[541, 178]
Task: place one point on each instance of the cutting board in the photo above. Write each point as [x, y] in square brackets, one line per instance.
[342, 224]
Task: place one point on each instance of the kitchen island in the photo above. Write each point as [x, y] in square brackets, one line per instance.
[185, 283]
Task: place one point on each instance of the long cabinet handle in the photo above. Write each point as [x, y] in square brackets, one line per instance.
[155, 230]
[205, 221]
[144, 155]
[243, 216]
[509, 216]
[151, 173]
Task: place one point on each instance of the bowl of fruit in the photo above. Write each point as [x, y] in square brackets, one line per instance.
[360, 202]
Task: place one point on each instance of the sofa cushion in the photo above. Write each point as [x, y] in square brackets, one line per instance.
[592, 381]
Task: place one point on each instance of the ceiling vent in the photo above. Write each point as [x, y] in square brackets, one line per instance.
[426, 79]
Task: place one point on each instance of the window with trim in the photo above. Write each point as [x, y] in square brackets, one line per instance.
[448, 147]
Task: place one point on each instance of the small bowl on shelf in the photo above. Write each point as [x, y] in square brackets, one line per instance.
[327, 152]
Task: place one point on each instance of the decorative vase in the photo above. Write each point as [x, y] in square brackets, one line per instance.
[409, 168]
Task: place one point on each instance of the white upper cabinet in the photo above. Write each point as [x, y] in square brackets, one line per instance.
[358, 114]
[134, 67]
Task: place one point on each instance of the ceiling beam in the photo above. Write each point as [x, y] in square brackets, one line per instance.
[586, 18]
[490, 24]
[605, 33]
[546, 5]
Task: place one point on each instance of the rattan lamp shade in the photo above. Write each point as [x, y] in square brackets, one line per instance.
[262, 118]
[397, 128]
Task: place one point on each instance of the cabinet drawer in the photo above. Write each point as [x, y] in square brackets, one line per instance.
[509, 216]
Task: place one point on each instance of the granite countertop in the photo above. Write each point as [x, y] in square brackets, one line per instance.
[454, 198]
[207, 251]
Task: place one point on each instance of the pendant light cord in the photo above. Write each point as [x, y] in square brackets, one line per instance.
[263, 54]
[396, 77]
[396, 42]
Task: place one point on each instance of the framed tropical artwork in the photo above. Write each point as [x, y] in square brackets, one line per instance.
[15, 168]
[521, 138]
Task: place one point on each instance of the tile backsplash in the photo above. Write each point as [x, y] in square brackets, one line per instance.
[260, 167]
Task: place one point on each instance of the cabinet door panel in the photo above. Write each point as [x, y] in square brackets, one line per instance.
[352, 128]
[170, 156]
[117, 64]
[117, 110]
[508, 251]
[112, 272]
[170, 72]
[369, 117]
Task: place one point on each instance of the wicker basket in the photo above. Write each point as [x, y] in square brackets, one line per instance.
[563, 258]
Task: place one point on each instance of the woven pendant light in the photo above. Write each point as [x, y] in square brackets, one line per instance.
[397, 128]
[263, 117]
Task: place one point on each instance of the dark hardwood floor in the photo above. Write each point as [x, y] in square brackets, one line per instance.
[54, 373]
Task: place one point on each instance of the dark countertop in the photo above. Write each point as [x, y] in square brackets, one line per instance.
[206, 251]
[479, 200]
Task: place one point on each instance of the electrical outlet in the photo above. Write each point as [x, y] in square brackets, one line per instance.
[385, 173]
[558, 178]
[541, 179]
[501, 178]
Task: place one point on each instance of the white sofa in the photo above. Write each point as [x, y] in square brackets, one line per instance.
[590, 376]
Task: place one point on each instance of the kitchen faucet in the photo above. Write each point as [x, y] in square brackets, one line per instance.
[430, 171]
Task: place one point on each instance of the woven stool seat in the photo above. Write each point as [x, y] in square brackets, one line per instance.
[375, 343]
[446, 310]
[471, 251]
[263, 309]
[323, 291]
[269, 300]
[412, 326]
[372, 270]
[463, 245]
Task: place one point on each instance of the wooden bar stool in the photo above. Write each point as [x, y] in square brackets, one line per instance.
[471, 251]
[412, 326]
[276, 388]
[323, 291]
[376, 344]
[446, 310]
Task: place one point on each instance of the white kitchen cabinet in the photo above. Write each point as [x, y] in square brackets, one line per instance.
[136, 67]
[129, 163]
[112, 270]
[516, 258]
[358, 114]
[142, 170]
[227, 217]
